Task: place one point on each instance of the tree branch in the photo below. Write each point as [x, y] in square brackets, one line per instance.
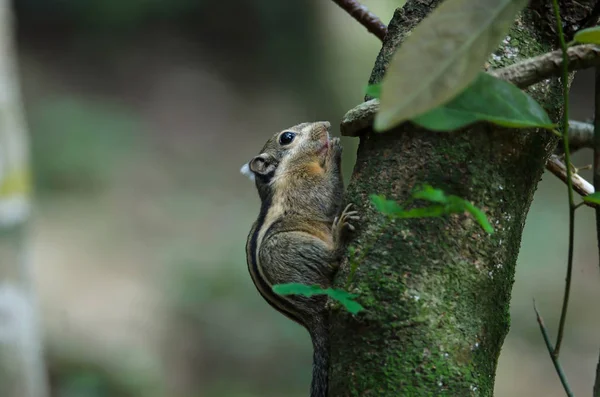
[559, 371]
[581, 135]
[565, 138]
[521, 74]
[22, 366]
[596, 166]
[534, 70]
[364, 17]
[580, 185]
[597, 383]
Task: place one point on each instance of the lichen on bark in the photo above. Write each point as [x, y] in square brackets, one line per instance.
[437, 291]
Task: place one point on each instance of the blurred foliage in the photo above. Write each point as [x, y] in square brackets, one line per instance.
[79, 144]
[73, 379]
[235, 335]
[270, 40]
[94, 14]
[75, 370]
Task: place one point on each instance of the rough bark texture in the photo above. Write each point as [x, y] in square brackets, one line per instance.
[437, 291]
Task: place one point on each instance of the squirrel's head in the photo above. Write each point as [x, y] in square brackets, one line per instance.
[287, 150]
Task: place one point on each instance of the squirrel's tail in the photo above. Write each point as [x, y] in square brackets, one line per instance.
[320, 379]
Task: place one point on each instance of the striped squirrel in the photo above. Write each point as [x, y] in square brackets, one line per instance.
[299, 234]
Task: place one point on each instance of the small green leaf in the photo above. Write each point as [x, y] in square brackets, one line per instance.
[430, 194]
[346, 299]
[373, 90]
[297, 289]
[444, 205]
[592, 198]
[487, 99]
[433, 211]
[386, 207]
[589, 36]
[479, 217]
[442, 56]
[351, 305]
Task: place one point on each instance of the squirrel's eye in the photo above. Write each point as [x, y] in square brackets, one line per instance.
[286, 138]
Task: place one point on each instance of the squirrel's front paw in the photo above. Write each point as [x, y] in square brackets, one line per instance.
[335, 149]
[336, 146]
[341, 223]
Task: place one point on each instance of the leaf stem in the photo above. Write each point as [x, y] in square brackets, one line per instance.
[557, 367]
[565, 138]
[596, 170]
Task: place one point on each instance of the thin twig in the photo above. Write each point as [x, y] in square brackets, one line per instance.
[596, 147]
[364, 17]
[557, 367]
[581, 135]
[565, 134]
[559, 169]
[596, 186]
[597, 383]
[533, 70]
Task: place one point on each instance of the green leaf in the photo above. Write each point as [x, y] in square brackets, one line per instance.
[373, 90]
[590, 35]
[298, 289]
[592, 198]
[479, 217]
[346, 299]
[432, 211]
[444, 205]
[428, 193]
[487, 99]
[386, 207]
[442, 56]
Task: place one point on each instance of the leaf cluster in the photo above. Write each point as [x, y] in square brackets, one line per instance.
[346, 299]
[447, 90]
[442, 204]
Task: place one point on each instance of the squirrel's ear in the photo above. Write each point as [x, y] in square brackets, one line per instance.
[263, 164]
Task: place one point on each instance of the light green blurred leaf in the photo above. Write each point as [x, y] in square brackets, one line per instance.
[15, 182]
[433, 211]
[588, 36]
[592, 198]
[79, 144]
[386, 207]
[373, 90]
[346, 299]
[428, 193]
[479, 216]
[442, 56]
[444, 205]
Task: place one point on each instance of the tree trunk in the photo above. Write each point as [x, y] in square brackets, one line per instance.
[22, 370]
[437, 290]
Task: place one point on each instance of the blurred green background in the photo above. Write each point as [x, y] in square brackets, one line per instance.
[141, 114]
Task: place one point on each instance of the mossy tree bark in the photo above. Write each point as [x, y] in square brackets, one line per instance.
[437, 291]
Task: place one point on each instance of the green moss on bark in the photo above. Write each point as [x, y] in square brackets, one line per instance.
[437, 291]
